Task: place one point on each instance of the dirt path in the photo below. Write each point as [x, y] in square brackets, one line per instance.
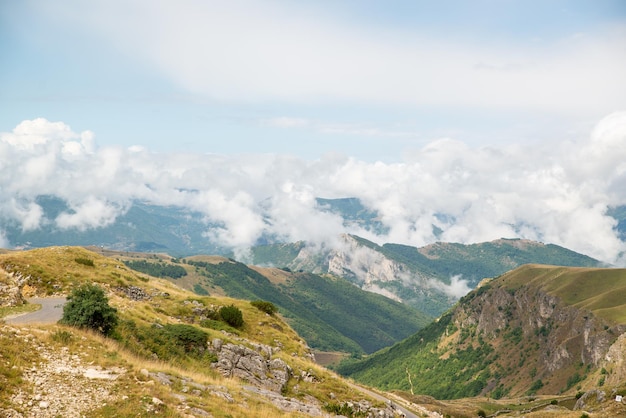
[406, 412]
[51, 311]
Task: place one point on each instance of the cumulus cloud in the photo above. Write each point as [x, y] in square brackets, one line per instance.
[445, 191]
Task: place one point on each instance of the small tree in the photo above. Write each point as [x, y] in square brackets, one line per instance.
[232, 316]
[88, 307]
[265, 306]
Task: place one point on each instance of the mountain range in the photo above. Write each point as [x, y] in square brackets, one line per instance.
[430, 278]
[179, 231]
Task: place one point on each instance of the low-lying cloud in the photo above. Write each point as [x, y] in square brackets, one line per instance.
[457, 288]
[445, 191]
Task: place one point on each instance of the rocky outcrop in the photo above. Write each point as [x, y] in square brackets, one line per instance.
[11, 285]
[544, 334]
[255, 366]
[589, 400]
[615, 360]
[133, 292]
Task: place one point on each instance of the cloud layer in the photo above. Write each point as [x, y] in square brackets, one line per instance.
[556, 194]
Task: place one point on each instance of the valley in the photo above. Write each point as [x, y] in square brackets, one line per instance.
[538, 339]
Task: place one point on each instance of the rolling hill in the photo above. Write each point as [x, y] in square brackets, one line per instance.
[329, 312]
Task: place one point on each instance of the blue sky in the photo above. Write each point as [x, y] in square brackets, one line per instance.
[367, 79]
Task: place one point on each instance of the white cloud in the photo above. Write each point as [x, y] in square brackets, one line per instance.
[90, 213]
[457, 288]
[283, 122]
[557, 193]
[250, 51]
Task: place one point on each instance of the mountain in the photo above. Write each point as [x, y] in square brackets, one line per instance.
[143, 227]
[354, 213]
[171, 353]
[430, 278]
[536, 330]
[328, 311]
[179, 231]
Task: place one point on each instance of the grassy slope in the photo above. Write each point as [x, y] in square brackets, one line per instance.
[451, 358]
[330, 313]
[55, 270]
[602, 291]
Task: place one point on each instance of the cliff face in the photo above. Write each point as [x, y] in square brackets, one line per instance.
[535, 330]
[538, 341]
[373, 271]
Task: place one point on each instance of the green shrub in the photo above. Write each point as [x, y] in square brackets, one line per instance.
[200, 290]
[189, 337]
[232, 316]
[536, 385]
[84, 261]
[88, 307]
[264, 306]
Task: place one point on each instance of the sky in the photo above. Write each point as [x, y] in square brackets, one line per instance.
[486, 118]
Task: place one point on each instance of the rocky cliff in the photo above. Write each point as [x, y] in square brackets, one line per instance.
[536, 330]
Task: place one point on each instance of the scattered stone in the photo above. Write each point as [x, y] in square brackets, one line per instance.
[133, 292]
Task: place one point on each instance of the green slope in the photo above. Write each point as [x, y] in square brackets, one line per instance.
[329, 313]
[439, 261]
[531, 330]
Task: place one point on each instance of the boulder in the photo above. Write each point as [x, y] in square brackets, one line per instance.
[255, 366]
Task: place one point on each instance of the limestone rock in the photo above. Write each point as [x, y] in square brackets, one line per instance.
[252, 365]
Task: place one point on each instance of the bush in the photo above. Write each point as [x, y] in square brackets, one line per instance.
[267, 307]
[85, 261]
[88, 307]
[189, 337]
[232, 316]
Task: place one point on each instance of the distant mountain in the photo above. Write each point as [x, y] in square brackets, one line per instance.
[354, 213]
[179, 231]
[431, 278]
[535, 330]
[147, 228]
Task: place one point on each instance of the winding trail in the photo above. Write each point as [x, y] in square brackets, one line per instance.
[51, 311]
[407, 413]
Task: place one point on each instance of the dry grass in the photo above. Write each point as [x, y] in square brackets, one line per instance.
[55, 270]
[600, 290]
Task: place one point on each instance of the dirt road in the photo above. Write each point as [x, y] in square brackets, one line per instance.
[51, 311]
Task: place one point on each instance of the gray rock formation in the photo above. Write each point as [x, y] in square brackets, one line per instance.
[11, 285]
[254, 366]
